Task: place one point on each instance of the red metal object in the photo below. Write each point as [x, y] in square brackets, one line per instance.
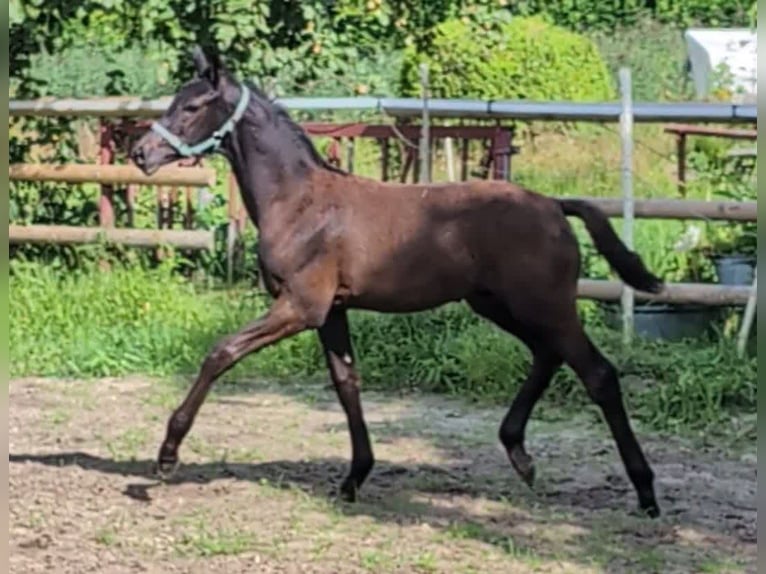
[499, 142]
[333, 152]
[501, 154]
[697, 130]
[499, 148]
[682, 131]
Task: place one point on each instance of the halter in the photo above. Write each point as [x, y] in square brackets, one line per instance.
[215, 139]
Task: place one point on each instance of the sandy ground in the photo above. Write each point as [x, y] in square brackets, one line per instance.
[259, 468]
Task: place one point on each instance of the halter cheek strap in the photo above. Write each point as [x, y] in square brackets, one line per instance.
[214, 141]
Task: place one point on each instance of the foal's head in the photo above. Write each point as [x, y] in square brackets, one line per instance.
[199, 116]
[208, 107]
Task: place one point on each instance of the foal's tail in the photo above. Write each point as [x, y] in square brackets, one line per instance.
[626, 263]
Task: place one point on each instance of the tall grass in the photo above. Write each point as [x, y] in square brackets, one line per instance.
[92, 324]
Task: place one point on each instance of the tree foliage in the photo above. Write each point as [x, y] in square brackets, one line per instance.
[312, 45]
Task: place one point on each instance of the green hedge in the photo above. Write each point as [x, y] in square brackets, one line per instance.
[526, 58]
[610, 14]
[656, 55]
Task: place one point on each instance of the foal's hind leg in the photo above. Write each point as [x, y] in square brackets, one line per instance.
[603, 386]
[544, 365]
[339, 354]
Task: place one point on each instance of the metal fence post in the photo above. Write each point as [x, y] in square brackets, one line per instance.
[626, 135]
[425, 130]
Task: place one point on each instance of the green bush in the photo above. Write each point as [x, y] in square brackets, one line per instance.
[526, 58]
[607, 15]
[685, 13]
[655, 54]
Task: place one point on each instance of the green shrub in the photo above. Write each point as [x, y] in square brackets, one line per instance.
[607, 15]
[714, 13]
[526, 58]
[656, 56]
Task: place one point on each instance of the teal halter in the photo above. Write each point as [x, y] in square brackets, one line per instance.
[214, 140]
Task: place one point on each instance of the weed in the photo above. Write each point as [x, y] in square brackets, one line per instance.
[719, 567]
[425, 562]
[106, 536]
[200, 542]
[374, 561]
[127, 445]
[59, 417]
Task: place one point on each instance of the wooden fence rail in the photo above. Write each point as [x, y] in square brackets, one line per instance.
[65, 234]
[112, 174]
[694, 293]
[681, 209]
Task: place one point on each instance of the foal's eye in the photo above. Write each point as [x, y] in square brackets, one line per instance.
[191, 108]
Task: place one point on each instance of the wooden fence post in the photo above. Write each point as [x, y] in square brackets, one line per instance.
[747, 317]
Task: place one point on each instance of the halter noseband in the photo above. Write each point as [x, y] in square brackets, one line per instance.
[215, 139]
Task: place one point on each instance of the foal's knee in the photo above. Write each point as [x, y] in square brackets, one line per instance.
[179, 424]
[602, 383]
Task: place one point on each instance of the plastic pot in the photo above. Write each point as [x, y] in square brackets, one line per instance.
[734, 269]
[662, 322]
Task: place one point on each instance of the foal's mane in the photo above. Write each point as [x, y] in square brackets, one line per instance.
[282, 119]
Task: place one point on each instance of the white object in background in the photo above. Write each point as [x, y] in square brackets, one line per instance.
[735, 48]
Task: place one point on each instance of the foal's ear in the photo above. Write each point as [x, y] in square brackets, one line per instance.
[208, 67]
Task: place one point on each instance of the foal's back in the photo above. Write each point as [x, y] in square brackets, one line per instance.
[410, 247]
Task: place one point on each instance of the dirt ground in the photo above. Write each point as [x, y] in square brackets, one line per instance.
[255, 489]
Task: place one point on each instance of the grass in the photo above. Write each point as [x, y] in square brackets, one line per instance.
[127, 445]
[198, 541]
[150, 322]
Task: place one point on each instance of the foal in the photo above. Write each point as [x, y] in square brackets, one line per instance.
[330, 241]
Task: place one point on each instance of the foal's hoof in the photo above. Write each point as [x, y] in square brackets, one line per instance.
[166, 468]
[523, 464]
[348, 491]
[651, 509]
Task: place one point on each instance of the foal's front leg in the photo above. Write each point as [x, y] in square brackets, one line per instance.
[281, 321]
[336, 342]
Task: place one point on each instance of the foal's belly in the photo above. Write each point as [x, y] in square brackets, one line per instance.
[413, 284]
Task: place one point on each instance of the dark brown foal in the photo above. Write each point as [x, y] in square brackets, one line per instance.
[330, 241]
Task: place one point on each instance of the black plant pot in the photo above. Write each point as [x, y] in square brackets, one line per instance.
[664, 322]
[734, 269]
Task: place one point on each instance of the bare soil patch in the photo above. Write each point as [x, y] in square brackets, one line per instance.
[255, 489]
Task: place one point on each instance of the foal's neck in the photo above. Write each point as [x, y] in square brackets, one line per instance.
[268, 167]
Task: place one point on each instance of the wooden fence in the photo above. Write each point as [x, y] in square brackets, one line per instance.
[66, 234]
[108, 175]
[707, 294]
[112, 174]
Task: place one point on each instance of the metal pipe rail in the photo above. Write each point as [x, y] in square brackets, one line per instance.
[648, 112]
